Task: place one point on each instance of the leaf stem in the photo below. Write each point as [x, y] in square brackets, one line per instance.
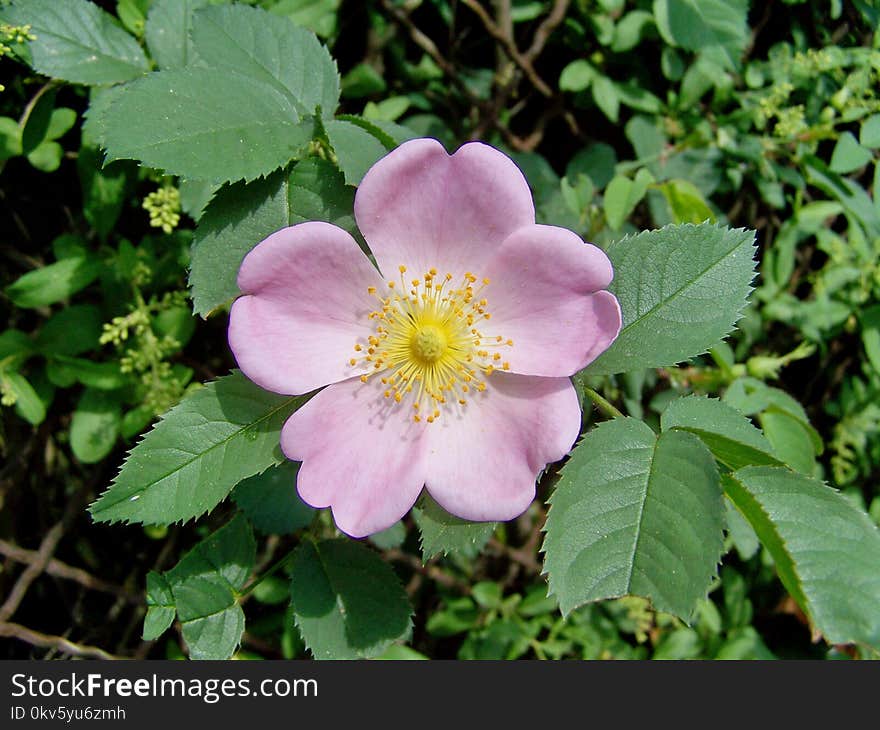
[602, 404]
[265, 574]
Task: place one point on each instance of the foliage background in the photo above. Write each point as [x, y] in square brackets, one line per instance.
[624, 116]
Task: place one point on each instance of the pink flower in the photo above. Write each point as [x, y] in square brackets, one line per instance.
[448, 367]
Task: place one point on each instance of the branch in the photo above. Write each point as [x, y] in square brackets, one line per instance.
[63, 570]
[545, 30]
[47, 641]
[507, 43]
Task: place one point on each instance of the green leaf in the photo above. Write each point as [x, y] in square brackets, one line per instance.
[28, 403]
[10, 138]
[362, 80]
[740, 532]
[35, 123]
[317, 192]
[236, 220]
[577, 76]
[442, 533]
[849, 155]
[95, 425]
[623, 195]
[356, 149]
[63, 371]
[869, 134]
[15, 347]
[681, 289]
[168, 32]
[347, 602]
[269, 49]
[686, 202]
[729, 435]
[161, 608]
[54, 282]
[826, 551]
[205, 585]
[629, 31]
[606, 96]
[790, 439]
[47, 157]
[243, 214]
[132, 14]
[206, 124]
[270, 500]
[635, 514]
[318, 15]
[195, 196]
[77, 41]
[103, 188]
[390, 537]
[704, 24]
[56, 336]
[197, 453]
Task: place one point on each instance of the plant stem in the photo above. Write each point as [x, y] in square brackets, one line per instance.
[265, 574]
[602, 404]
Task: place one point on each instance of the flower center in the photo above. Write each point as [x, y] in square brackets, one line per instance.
[429, 344]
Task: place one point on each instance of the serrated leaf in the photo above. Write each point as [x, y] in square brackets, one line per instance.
[270, 49]
[167, 32]
[243, 214]
[356, 149]
[197, 453]
[236, 220]
[77, 41]
[442, 533]
[216, 636]
[205, 124]
[347, 602]
[634, 514]
[271, 502]
[161, 608]
[729, 435]
[826, 551]
[95, 425]
[52, 283]
[681, 289]
[205, 585]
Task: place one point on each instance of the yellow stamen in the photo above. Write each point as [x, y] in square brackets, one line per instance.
[426, 342]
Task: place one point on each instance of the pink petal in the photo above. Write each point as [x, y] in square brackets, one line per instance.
[361, 455]
[305, 306]
[545, 294]
[423, 208]
[482, 464]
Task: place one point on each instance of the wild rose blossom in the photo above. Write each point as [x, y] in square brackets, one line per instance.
[448, 367]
